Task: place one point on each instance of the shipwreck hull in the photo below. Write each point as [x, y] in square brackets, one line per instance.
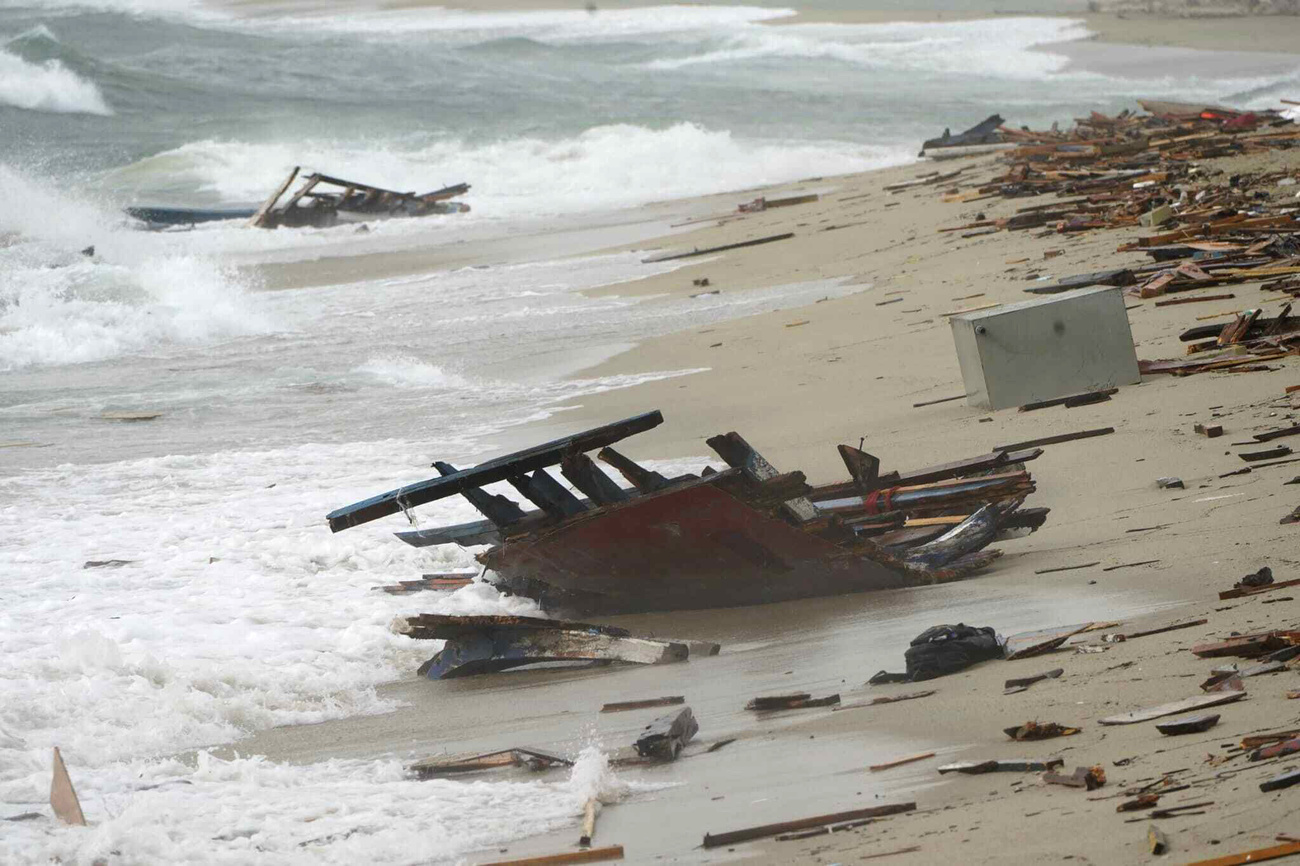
[688, 547]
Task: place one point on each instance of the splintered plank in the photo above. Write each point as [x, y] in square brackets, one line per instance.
[63, 798]
[1170, 709]
[590, 855]
[730, 838]
[645, 480]
[260, 215]
[622, 706]
[722, 249]
[1256, 855]
[898, 762]
[1056, 440]
[501, 468]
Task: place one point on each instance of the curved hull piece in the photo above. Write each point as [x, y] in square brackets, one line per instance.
[687, 547]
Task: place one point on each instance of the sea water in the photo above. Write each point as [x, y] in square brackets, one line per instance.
[235, 609]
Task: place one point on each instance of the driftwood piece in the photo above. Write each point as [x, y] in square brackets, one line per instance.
[1188, 725]
[799, 701]
[63, 797]
[721, 249]
[712, 840]
[591, 855]
[665, 737]
[1173, 708]
[739, 454]
[898, 762]
[1025, 765]
[623, 706]
[1056, 440]
[533, 759]
[1019, 685]
[589, 810]
[1157, 842]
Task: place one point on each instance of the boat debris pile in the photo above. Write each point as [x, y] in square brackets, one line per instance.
[320, 202]
[325, 201]
[745, 534]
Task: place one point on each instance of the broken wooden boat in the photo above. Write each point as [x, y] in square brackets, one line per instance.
[324, 201]
[745, 534]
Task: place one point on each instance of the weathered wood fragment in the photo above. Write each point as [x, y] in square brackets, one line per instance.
[623, 706]
[1246, 645]
[259, 216]
[1163, 629]
[863, 468]
[1055, 440]
[1025, 765]
[1019, 685]
[665, 737]
[547, 494]
[1072, 401]
[1066, 568]
[720, 249]
[1039, 731]
[739, 454]
[498, 509]
[712, 840]
[591, 855]
[582, 473]
[1090, 778]
[1277, 783]
[1188, 725]
[1173, 708]
[637, 475]
[63, 797]
[799, 701]
[1210, 431]
[1257, 855]
[1157, 842]
[898, 762]
[588, 822]
[436, 767]
[1267, 454]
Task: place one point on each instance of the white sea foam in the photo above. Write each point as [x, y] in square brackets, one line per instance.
[405, 371]
[49, 86]
[603, 167]
[996, 48]
[334, 812]
[138, 292]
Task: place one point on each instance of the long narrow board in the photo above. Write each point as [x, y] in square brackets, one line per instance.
[722, 249]
[498, 469]
[1183, 706]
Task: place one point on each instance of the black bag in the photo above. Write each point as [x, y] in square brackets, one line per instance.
[946, 649]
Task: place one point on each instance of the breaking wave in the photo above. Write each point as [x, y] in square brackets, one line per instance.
[603, 167]
[47, 86]
[999, 49]
[137, 291]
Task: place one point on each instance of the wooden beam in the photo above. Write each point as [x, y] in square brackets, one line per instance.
[259, 217]
[642, 479]
[548, 494]
[591, 855]
[499, 469]
[498, 509]
[584, 474]
[717, 840]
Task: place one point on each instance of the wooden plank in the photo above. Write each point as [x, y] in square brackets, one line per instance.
[637, 475]
[1072, 401]
[260, 214]
[583, 473]
[749, 833]
[1066, 568]
[1277, 434]
[63, 797]
[623, 706]
[1256, 855]
[1183, 706]
[498, 509]
[546, 493]
[1251, 590]
[898, 762]
[502, 468]
[938, 401]
[722, 249]
[591, 855]
[1170, 302]
[1055, 440]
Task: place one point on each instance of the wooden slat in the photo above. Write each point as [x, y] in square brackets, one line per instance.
[500, 469]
